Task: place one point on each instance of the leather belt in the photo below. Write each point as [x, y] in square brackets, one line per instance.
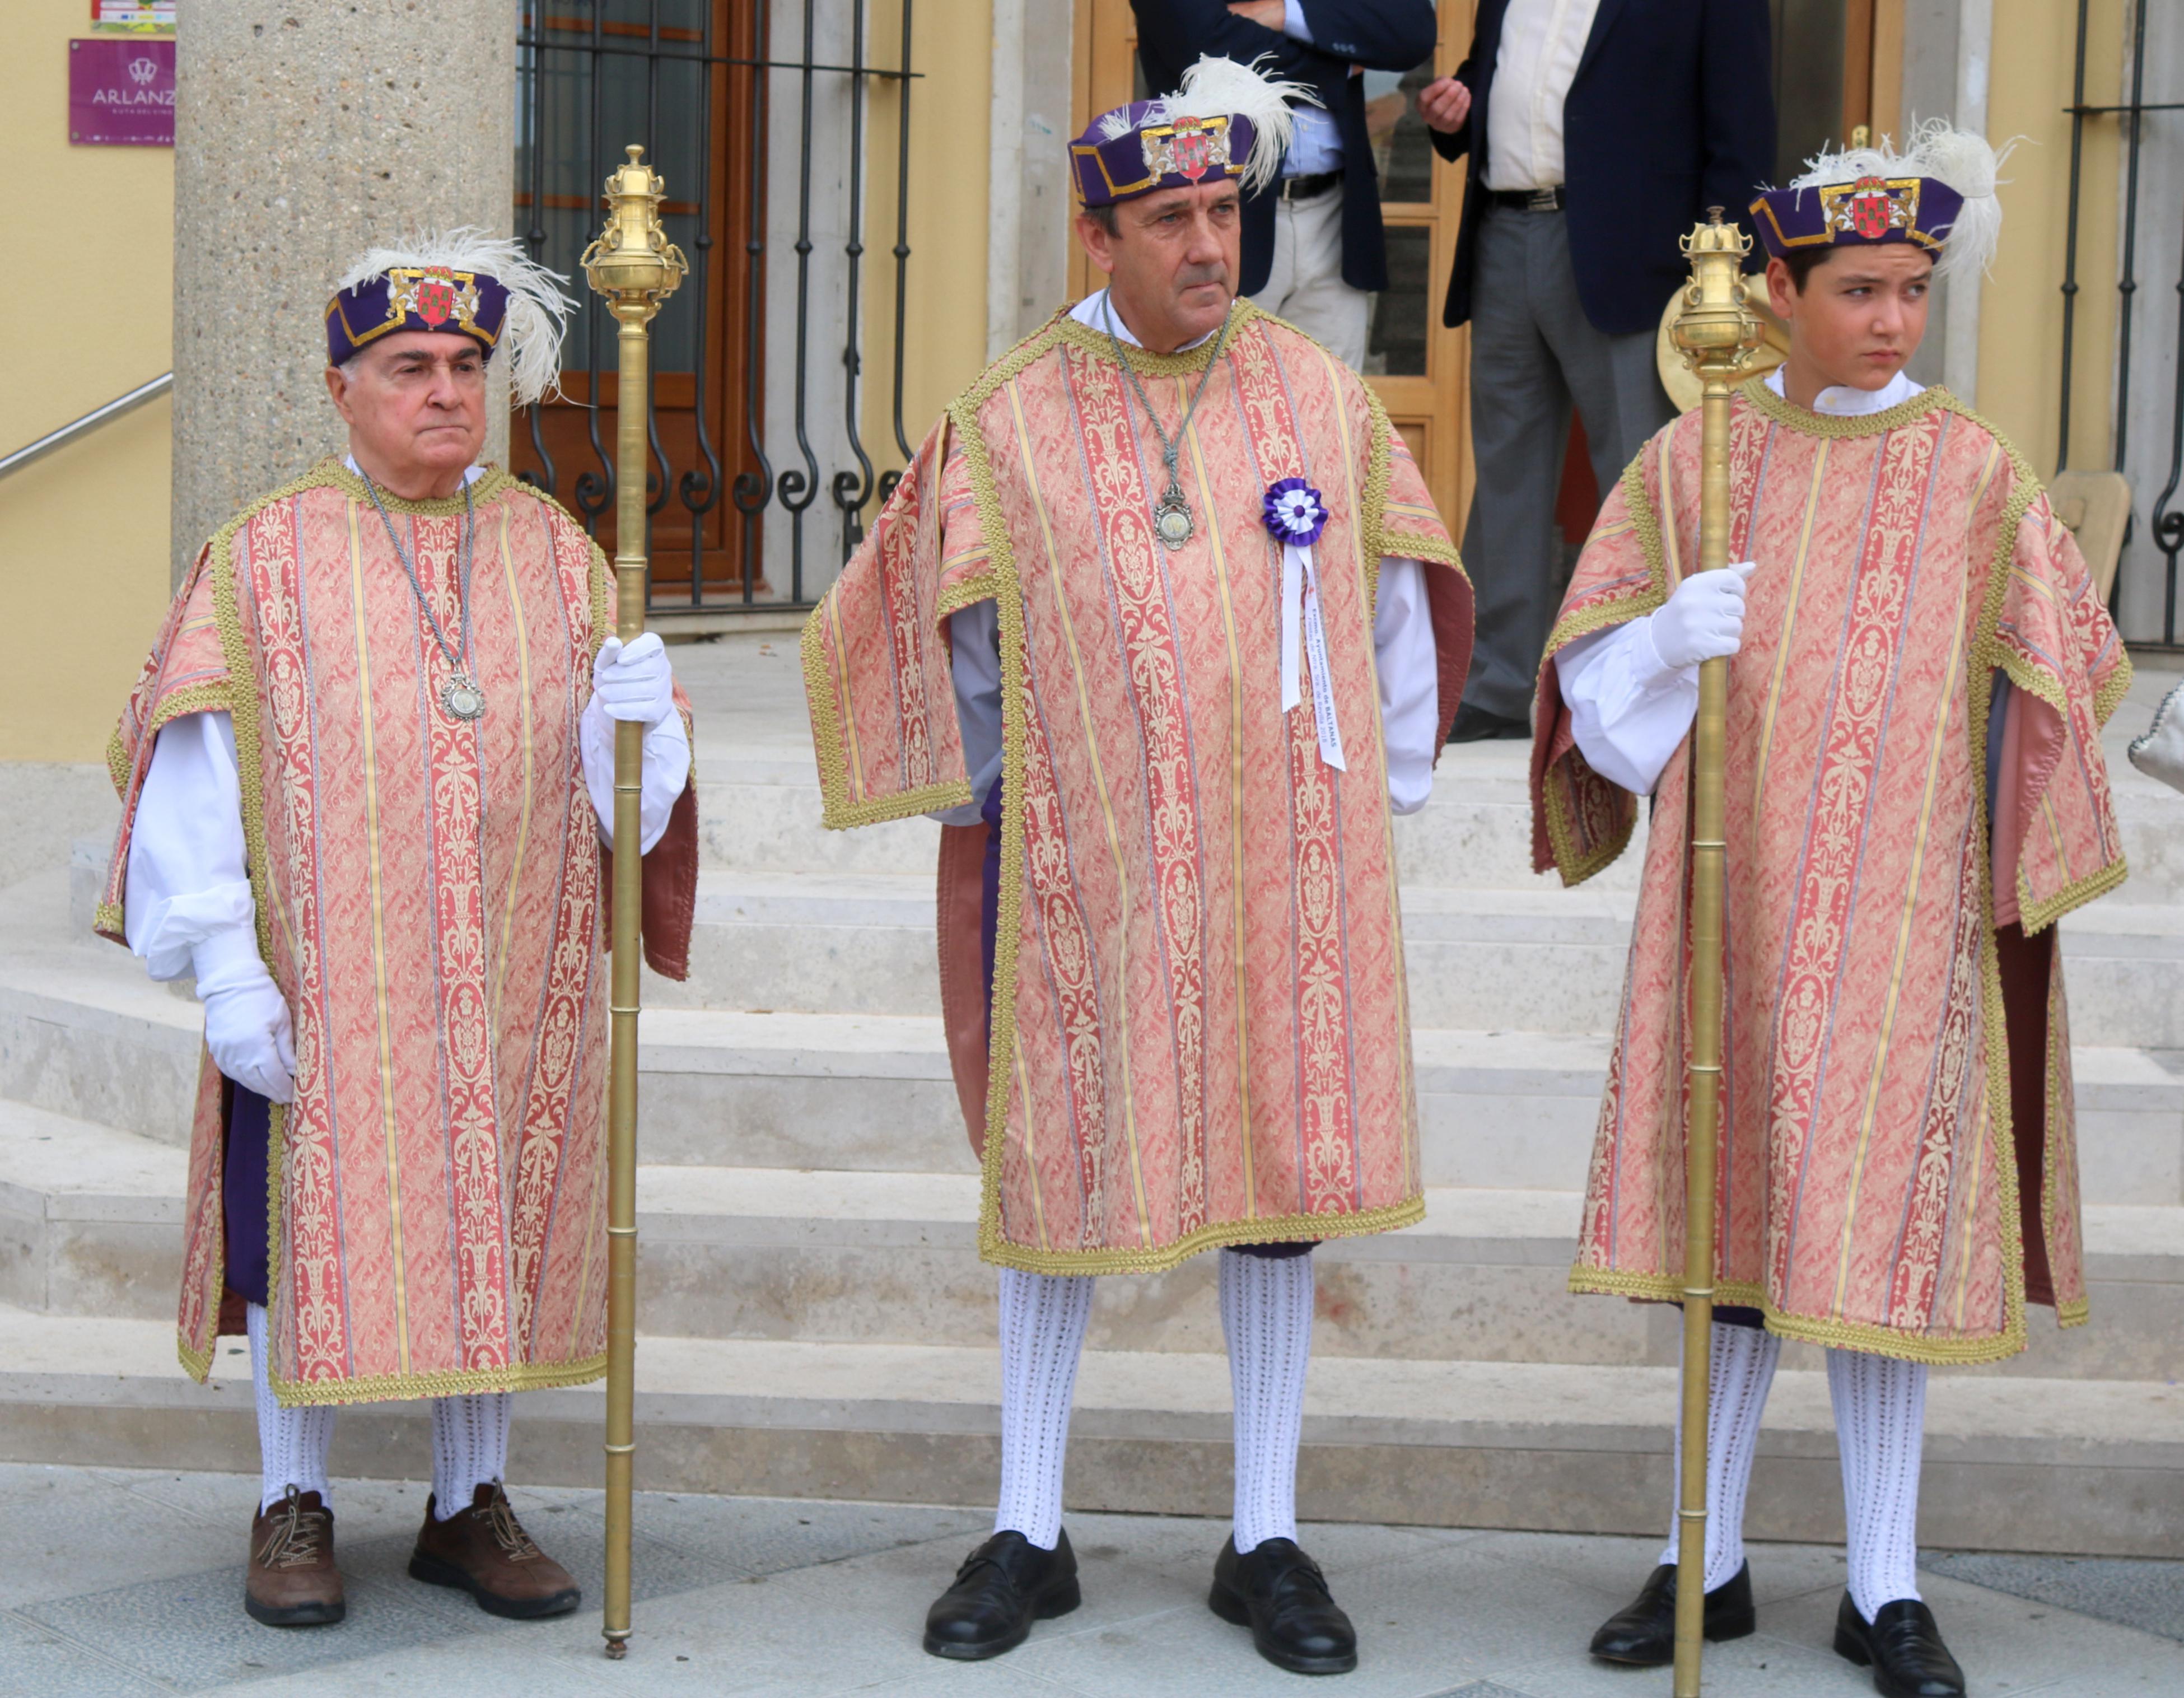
[1307, 187]
[1530, 200]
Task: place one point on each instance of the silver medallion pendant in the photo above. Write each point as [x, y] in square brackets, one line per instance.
[462, 698]
[1172, 520]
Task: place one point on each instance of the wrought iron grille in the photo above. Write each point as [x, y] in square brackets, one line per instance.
[2165, 520]
[754, 415]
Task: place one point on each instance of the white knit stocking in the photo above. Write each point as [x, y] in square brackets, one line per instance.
[1743, 1367]
[470, 1447]
[1266, 1312]
[1043, 1317]
[292, 1443]
[1880, 1425]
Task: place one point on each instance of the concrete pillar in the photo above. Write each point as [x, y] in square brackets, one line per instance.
[303, 134]
[1029, 200]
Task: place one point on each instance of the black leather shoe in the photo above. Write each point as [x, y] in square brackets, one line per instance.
[1003, 1587]
[1903, 1646]
[1645, 1635]
[1278, 1592]
[1476, 725]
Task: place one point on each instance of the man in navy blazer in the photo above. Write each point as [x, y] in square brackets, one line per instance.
[1598, 132]
[1313, 251]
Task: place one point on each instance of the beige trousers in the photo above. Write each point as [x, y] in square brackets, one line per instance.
[1306, 285]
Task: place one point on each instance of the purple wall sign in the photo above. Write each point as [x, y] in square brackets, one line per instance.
[122, 93]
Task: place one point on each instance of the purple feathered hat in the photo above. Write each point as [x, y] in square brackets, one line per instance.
[1226, 120]
[464, 281]
[1939, 194]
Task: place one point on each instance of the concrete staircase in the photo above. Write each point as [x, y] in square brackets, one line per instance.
[817, 1319]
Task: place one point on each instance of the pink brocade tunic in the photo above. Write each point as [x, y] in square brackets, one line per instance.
[429, 899]
[1898, 1172]
[1199, 1032]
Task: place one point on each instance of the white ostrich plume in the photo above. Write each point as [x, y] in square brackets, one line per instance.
[537, 307]
[1220, 87]
[1963, 158]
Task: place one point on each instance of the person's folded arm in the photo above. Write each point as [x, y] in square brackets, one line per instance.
[1380, 35]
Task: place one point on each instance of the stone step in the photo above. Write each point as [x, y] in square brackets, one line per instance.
[82, 1034]
[2091, 1466]
[1536, 959]
[91, 1225]
[1496, 1108]
[759, 812]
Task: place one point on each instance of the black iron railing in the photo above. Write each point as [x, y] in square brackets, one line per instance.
[2165, 525]
[696, 81]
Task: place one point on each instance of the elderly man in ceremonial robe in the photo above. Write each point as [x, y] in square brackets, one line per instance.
[367, 784]
[1161, 624]
[1915, 796]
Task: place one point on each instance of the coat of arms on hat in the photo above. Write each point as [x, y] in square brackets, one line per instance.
[1189, 147]
[433, 293]
[1871, 207]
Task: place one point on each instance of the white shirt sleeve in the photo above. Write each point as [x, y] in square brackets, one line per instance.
[188, 882]
[974, 645]
[1293, 22]
[1628, 709]
[666, 769]
[1409, 668]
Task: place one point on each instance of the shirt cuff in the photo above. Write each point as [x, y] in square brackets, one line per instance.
[227, 959]
[1650, 675]
[1293, 22]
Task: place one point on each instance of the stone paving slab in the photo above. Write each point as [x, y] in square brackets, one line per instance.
[124, 1582]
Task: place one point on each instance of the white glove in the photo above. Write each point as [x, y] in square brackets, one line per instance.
[245, 1019]
[1703, 620]
[636, 682]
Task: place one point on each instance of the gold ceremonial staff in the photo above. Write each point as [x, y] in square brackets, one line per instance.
[1716, 334]
[635, 266]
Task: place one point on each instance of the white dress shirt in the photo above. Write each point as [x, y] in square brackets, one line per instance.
[187, 889]
[1628, 710]
[1541, 42]
[1315, 139]
[1404, 655]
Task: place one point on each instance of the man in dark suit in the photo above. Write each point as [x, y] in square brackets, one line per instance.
[1313, 252]
[1598, 133]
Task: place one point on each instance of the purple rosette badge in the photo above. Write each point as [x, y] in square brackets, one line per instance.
[1296, 515]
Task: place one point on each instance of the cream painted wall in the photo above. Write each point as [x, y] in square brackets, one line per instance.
[83, 533]
[945, 346]
[2020, 345]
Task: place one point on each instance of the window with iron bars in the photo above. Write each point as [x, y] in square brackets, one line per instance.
[756, 113]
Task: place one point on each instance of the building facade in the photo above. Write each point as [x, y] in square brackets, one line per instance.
[873, 197]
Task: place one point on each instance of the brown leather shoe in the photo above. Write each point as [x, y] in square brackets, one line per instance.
[484, 1551]
[293, 1581]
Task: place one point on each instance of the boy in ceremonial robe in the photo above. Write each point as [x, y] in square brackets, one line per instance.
[1915, 796]
[367, 778]
[1162, 626]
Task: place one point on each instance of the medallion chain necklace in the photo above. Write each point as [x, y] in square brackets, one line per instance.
[1172, 523]
[460, 694]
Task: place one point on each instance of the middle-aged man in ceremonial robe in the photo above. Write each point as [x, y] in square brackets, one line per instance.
[1915, 794]
[367, 778]
[1162, 626]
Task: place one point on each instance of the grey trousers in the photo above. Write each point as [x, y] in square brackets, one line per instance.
[1532, 352]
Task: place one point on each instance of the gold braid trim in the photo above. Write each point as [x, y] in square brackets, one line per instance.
[1260, 1229]
[197, 1364]
[1575, 865]
[1836, 1334]
[1791, 416]
[837, 812]
[967, 594]
[332, 474]
[2109, 696]
[109, 918]
[1095, 343]
[299, 1393]
[2037, 916]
